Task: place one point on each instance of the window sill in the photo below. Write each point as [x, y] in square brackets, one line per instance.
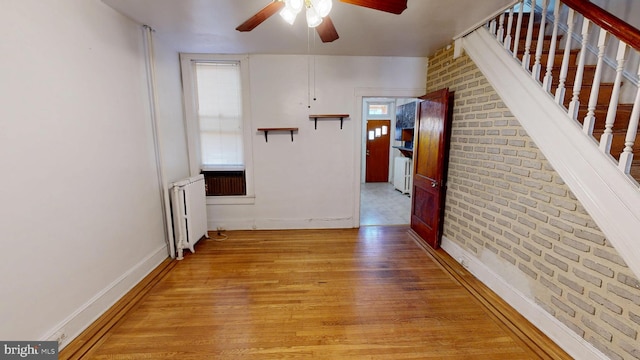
[231, 200]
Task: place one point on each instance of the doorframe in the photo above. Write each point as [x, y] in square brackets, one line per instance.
[360, 94]
[365, 119]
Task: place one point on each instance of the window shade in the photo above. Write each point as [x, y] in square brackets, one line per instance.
[220, 114]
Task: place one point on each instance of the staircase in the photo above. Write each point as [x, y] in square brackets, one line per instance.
[623, 111]
[581, 131]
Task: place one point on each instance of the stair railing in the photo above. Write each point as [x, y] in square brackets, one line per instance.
[597, 114]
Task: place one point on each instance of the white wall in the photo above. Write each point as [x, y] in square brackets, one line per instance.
[624, 9]
[311, 182]
[80, 210]
[173, 139]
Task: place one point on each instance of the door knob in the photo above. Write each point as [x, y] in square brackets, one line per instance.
[434, 184]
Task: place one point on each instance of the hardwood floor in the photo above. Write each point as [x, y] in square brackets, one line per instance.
[368, 293]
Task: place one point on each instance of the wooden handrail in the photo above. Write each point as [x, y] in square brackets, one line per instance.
[606, 20]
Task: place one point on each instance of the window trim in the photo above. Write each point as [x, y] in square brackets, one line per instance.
[187, 65]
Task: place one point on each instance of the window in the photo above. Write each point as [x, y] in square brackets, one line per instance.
[219, 98]
[377, 110]
[218, 127]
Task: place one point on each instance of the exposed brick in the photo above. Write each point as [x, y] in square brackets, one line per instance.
[549, 233]
[508, 257]
[527, 270]
[619, 325]
[505, 197]
[606, 335]
[568, 205]
[631, 349]
[604, 349]
[545, 269]
[491, 248]
[588, 277]
[629, 280]
[554, 190]
[571, 284]
[562, 306]
[541, 176]
[561, 225]
[623, 293]
[577, 245]
[566, 254]
[526, 222]
[545, 307]
[605, 302]
[540, 196]
[604, 270]
[520, 230]
[557, 262]
[503, 244]
[576, 329]
[577, 301]
[542, 241]
[551, 286]
[615, 258]
[537, 215]
[527, 245]
[573, 218]
[521, 254]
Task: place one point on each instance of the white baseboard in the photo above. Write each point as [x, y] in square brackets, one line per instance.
[85, 315]
[569, 341]
[281, 224]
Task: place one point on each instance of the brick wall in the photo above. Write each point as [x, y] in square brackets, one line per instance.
[508, 207]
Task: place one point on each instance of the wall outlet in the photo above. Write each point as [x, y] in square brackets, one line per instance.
[58, 336]
[464, 261]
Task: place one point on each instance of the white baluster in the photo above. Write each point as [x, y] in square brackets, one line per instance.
[492, 27]
[607, 136]
[565, 58]
[526, 58]
[590, 119]
[535, 72]
[501, 29]
[516, 41]
[577, 83]
[626, 158]
[507, 39]
[548, 77]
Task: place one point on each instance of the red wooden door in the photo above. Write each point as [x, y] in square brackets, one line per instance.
[377, 162]
[430, 158]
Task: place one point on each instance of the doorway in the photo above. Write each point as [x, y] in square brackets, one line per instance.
[378, 148]
[380, 202]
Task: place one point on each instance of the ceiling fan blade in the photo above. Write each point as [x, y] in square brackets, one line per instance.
[326, 30]
[390, 6]
[261, 16]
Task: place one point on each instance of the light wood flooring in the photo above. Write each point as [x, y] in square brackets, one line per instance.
[368, 293]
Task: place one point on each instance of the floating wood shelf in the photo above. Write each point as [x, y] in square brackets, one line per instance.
[328, 116]
[266, 131]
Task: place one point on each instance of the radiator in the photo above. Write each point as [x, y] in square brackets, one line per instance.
[188, 204]
[402, 174]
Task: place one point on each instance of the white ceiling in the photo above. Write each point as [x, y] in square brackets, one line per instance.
[208, 26]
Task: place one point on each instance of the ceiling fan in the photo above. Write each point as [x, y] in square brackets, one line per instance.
[317, 13]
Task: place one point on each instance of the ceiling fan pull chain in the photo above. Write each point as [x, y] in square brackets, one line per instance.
[308, 68]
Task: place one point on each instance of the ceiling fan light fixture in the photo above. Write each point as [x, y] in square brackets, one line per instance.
[313, 18]
[289, 15]
[295, 5]
[323, 7]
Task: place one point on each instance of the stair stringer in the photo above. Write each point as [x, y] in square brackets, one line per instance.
[609, 196]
